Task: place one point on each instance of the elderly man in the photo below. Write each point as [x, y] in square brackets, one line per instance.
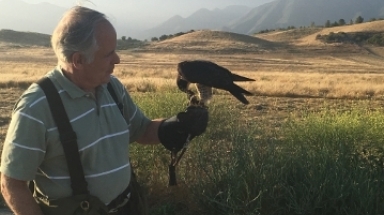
[84, 42]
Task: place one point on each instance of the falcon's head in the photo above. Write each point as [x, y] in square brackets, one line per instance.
[183, 85]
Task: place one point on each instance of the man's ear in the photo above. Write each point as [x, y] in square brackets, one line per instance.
[78, 60]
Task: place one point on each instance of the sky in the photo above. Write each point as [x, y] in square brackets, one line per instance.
[150, 12]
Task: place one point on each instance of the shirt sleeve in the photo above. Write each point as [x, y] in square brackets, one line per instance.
[24, 146]
[137, 121]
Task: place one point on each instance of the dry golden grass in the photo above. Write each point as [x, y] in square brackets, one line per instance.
[340, 72]
[286, 81]
[276, 73]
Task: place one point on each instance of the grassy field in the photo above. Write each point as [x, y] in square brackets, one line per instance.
[310, 142]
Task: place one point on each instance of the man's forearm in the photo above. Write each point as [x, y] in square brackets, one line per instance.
[150, 136]
[18, 197]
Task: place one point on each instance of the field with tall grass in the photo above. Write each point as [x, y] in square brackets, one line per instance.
[310, 142]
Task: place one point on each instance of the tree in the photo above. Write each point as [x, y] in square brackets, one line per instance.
[163, 37]
[154, 39]
[179, 34]
[341, 22]
[359, 19]
[123, 38]
[328, 24]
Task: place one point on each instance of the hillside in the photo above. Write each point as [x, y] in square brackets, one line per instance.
[216, 41]
[284, 13]
[287, 36]
[269, 14]
[17, 38]
[377, 26]
[307, 36]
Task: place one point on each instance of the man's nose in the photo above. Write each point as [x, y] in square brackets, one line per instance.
[116, 59]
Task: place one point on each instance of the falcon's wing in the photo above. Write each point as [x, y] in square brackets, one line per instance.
[205, 72]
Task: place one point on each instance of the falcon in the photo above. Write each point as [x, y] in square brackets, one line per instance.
[207, 75]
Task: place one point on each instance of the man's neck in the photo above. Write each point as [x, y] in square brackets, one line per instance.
[69, 72]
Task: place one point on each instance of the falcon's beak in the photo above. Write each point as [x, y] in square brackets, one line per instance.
[182, 84]
[194, 100]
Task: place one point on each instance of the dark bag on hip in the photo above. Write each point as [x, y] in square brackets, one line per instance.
[138, 203]
[83, 204]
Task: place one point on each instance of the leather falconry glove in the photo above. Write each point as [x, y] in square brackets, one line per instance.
[173, 132]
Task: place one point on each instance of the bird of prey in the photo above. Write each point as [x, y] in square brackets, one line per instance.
[207, 75]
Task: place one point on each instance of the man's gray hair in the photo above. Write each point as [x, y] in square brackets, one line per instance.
[76, 33]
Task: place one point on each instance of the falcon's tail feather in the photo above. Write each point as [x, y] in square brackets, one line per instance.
[238, 92]
[241, 78]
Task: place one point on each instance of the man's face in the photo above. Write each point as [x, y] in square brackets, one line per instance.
[99, 70]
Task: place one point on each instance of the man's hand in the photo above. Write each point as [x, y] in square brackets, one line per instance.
[195, 120]
[173, 132]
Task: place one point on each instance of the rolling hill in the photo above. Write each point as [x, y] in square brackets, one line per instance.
[17, 38]
[239, 19]
[214, 41]
[307, 36]
[218, 41]
[377, 26]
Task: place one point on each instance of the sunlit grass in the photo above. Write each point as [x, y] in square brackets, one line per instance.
[317, 163]
[275, 75]
[329, 161]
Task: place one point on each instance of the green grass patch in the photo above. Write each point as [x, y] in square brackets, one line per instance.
[324, 163]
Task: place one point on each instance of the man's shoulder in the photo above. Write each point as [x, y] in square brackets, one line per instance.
[31, 97]
[115, 82]
[33, 92]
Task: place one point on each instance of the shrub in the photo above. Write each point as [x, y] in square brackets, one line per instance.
[372, 38]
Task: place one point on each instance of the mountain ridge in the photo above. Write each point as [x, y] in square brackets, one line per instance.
[201, 19]
[236, 18]
[284, 13]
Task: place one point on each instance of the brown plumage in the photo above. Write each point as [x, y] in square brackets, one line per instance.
[206, 75]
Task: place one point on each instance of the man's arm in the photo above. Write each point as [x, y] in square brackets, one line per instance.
[18, 197]
[150, 136]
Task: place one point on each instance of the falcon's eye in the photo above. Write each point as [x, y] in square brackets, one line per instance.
[182, 84]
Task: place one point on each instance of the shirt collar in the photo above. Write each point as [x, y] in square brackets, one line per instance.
[65, 84]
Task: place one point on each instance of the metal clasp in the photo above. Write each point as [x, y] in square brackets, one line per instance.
[84, 205]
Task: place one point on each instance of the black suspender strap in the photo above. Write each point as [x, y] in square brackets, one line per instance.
[114, 96]
[68, 137]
